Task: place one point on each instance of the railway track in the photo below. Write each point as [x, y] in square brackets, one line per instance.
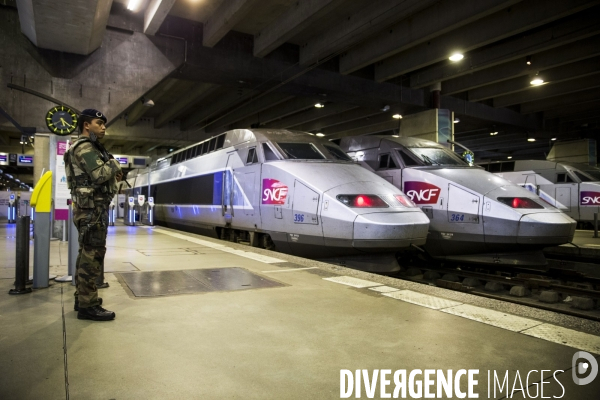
[568, 285]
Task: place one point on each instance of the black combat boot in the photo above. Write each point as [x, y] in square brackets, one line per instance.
[76, 307]
[95, 313]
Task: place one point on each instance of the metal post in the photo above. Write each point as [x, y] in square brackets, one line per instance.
[22, 257]
[41, 251]
[72, 248]
[595, 224]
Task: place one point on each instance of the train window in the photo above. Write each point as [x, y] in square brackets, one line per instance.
[583, 177]
[211, 144]
[564, 177]
[495, 167]
[301, 151]
[595, 174]
[436, 156]
[383, 160]
[337, 153]
[269, 153]
[252, 157]
[407, 159]
[220, 142]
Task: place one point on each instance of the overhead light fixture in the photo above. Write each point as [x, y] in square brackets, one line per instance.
[320, 134]
[493, 133]
[385, 108]
[456, 120]
[395, 136]
[147, 102]
[509, 157]
[456, 57]
[537, 80]
[553, 139]
[528, 60]
[531, 139]
[319, 105]
[312, 134]
[132, 5]
[397, 116]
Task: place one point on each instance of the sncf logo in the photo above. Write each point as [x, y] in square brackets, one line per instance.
[590, 199]
[274, 192]
[421, 192]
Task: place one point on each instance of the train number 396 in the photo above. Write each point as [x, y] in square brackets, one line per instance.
[298, 217]
[457, 217]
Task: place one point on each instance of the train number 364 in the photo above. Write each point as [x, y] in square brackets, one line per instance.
[457, 217]
[298, 217]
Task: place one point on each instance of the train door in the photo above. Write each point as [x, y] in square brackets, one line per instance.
[240, 199]
[463, 206]
[563, 196]
[306, 220]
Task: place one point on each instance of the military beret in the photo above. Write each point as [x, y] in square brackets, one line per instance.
[90, 112]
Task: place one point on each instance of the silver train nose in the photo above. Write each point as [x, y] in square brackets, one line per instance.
[390, 231]
[546, 228]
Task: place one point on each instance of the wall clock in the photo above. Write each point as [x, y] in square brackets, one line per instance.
[61, 120]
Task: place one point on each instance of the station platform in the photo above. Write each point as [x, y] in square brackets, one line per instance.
[201, 318]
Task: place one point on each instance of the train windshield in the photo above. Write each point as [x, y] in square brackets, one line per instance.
[301, 151]
[436, 156]
[587, 176]
[337, 153]
[594, 174]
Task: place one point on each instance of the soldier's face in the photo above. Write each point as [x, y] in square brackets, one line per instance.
[97, 127]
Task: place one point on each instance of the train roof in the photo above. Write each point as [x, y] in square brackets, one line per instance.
[357, 143]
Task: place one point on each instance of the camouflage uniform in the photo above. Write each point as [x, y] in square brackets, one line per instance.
[92, 180]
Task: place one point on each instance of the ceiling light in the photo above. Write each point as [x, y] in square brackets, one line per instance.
[312, 134]
[456, 57]
[531, 139]
[320, 134]
[319, 105]
[385, 108]
[456, 120]
[528, 60]
[553, 139]
[397, 116]
[395, 136]
[493, 133]
[147, 102]
[537, 81]
[132, 5]
[509, 157]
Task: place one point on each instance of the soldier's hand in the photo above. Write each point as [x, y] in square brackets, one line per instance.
[119, 176]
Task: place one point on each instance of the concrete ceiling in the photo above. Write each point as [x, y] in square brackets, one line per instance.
[267, 62]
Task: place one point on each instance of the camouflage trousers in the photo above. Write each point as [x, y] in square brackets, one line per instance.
[92, 226]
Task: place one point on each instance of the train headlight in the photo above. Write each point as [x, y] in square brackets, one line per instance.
[405, 200]
[519, 202]
[362, 201]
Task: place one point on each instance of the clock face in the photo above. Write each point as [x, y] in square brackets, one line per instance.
[61, 120]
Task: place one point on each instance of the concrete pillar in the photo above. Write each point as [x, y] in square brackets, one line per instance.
[436, 96]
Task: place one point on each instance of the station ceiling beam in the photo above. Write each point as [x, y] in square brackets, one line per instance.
[138, 109]
[370, 129]
[546, 38]
[545, 91]
[250, 108]
[348, 127]
[559, 101]
[225, 101]
[297, 18]
[309, 115]
[155, 14]
[503, 24]
[229, 13]
[569, 110]
[552, 76]
[424, 25]
[228, 68]
[197, 92]
[293, 106]
[358, 26]
[586, 48]
[346, 116]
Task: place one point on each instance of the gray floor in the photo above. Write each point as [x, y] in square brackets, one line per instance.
[284, 342]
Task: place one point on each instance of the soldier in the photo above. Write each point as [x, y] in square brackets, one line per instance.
[92, 176]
